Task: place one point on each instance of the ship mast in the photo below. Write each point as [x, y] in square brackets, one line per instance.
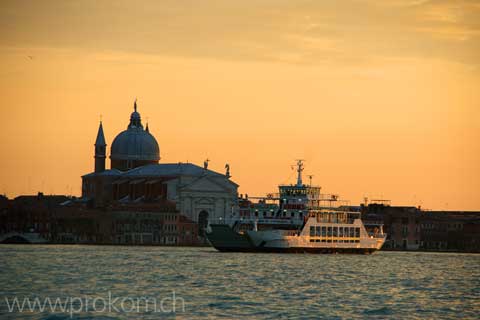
[299, 171]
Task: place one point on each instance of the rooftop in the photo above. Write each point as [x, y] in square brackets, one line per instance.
[159, 170]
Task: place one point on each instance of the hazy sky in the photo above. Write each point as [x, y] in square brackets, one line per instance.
[382, 98]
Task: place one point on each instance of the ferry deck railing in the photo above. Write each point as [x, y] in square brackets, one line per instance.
[257, 220]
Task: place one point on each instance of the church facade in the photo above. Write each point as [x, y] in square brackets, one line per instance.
[137, 178]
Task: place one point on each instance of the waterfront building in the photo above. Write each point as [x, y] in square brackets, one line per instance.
[400, 223]
[136, 177]
[60, 219]
[410, 228]
[138, 200]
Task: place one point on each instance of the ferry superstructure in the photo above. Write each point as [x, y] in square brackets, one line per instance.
[301, 220]
[325, 231]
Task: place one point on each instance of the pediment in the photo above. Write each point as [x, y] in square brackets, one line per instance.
[206, 184]
[204, 201]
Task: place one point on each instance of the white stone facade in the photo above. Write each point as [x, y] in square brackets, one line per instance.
[214, 195]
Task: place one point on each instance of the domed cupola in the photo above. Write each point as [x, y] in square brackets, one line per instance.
[135, 119]
[134, 147]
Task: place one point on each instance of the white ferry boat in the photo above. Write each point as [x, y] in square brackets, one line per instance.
[303, 221]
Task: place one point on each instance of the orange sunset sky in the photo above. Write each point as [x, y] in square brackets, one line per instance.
[382, 98]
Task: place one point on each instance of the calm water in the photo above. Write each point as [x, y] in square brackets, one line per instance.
[234, 285]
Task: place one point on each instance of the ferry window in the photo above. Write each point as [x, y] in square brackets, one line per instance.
[357, 232]
[292, 214]
[329, 231]
[312, 231]
[324, 231]
[352, 234]
[335, 229]
[340, 231]
[318, 232]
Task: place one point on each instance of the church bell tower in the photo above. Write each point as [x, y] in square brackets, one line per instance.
[100, 150]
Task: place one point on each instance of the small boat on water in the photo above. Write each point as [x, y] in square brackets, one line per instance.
[300, 222]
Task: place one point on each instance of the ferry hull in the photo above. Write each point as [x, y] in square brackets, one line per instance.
[317, 250]
[223, 238]
[298, 250]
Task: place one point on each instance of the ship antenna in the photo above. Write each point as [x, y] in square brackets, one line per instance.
[299, 171]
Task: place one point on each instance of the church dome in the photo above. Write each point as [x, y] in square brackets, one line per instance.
[135, 146]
